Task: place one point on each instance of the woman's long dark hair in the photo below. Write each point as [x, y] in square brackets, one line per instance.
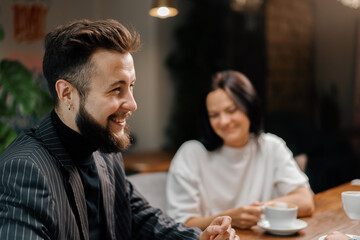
[242, 92]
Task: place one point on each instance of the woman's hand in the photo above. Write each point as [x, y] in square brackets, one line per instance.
[242, 217]
[245, 217]
[336, 236]
[303, 198]
[219, 229]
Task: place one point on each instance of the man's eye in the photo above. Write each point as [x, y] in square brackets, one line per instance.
[116, 89]
[213, 115]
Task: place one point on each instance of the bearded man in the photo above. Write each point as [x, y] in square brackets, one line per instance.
[65, 178]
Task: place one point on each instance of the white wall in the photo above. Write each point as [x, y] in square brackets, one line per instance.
[153, 91]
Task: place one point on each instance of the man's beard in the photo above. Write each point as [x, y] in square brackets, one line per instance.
[100, 137]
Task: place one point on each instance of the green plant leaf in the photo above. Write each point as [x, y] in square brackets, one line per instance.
[7, 135]
[19, 90]
[21, 97]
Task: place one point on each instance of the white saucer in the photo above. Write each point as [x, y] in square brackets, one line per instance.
[349, 235]
[296, 226]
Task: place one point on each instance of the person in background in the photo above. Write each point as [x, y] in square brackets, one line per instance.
[337, 236]
[65, 178]
[235, 167]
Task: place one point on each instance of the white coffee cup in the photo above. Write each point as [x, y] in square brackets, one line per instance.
[351, 203]
[280, 214]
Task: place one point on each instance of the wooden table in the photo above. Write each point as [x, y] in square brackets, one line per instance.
[329, 216]
[146, 162]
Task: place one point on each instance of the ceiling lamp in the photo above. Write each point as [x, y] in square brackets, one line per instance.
[351, 3]
[163, 9]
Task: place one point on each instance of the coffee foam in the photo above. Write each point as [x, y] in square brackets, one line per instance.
[281, 205]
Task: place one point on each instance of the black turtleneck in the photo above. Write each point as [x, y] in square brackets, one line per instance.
[80, 152]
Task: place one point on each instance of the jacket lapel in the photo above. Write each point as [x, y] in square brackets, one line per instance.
[107, 190]
[50, 138]
[79, 196]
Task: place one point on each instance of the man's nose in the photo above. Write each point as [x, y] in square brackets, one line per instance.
[129, 104]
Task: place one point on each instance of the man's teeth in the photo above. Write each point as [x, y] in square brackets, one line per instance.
[119, 120]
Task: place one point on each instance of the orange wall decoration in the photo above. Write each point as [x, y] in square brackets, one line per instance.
[29, 21]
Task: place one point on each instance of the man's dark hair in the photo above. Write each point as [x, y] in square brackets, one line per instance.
[68, 49]
[241, 91]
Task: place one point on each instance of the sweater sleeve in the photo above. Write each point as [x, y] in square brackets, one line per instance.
[288, 175]
[183, 183]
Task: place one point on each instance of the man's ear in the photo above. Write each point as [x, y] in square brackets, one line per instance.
[65, 91]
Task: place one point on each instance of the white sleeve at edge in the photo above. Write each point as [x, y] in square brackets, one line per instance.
[182, 190]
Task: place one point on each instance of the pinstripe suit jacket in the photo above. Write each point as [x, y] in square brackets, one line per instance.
[42, 196]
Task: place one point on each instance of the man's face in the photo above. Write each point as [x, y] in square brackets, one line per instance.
[101, 117]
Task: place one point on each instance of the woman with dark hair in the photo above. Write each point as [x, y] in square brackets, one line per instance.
[235, 167]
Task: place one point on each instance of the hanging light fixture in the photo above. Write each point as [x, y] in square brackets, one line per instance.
[163, 9]
[351, 3]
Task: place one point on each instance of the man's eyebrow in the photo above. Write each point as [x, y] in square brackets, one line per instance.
[120, 82]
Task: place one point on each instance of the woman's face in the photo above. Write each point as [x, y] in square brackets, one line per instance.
[228, 122]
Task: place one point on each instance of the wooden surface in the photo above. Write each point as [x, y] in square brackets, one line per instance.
[329, 216]
[147, 162]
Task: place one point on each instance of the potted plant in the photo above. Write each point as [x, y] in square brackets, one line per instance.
[23, 100]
